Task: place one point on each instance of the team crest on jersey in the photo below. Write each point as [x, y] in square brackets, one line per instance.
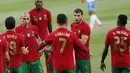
[40, 18]
[45, 16]
[28, 35]
[78, 31]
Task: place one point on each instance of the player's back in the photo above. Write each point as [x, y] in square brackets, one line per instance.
[15, 41]
[62, 43]
[119, 39]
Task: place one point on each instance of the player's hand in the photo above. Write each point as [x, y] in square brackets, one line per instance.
[91, 56]
[102, 66]
[26, 49]
[46, 48]
[7, 71]
[82, 1]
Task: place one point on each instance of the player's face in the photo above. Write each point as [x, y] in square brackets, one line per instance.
[25, 20]
[38, 4]
[78, 17]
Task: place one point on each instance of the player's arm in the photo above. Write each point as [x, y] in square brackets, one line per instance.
[45, 44]
[49, 27]
[22, 46]
[38, 38]
[84, 39]
[105, 51]
[6, 55]
[104, 54]
[49, 22]
[7, 59]
[79, 44]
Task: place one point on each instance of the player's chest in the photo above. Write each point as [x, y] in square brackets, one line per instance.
[77, 31]
[39, 17]
[28, 33]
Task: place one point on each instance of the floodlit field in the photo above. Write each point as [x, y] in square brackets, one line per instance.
[107, 11]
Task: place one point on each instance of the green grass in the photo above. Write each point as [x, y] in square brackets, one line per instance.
[107, 11]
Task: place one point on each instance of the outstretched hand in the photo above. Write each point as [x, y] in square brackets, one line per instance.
[102, 66]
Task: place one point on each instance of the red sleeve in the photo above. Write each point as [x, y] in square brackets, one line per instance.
[49, 16]
[79, 44]
[107, 40]
[35, 30]
[86, 30]
[48, 40]
[5, 46]
[22, 40]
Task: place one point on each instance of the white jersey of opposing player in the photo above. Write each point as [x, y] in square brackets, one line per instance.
[90, 0]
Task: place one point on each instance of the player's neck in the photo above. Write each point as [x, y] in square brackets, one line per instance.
[10, 29]
[38, 9]
[62, 26]
[79, 22]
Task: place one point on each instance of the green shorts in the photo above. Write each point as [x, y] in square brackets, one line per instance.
[120, 70]
[50, 67]
[32, 67]
[14, 70]
[65, 71]
[83, 66]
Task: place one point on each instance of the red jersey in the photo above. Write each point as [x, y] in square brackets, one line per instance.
[62, 42]
[81, 29]
[29, 33]
[119, 40]
[15, 41]
[41, 20]
[3, 48]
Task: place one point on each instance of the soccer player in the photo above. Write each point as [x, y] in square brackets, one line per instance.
[16, 45]
[63, 41]
[119, 40]
[82, 30]
[41, 17]
[4, 50]
[93, 18]
[31, 62]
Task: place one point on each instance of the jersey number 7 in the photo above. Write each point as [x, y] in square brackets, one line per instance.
[63, 44]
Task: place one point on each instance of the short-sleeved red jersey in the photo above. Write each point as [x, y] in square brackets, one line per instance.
[41, 20]
[119, 41]
[3, 48]
[63, 42]
[30, 41]
[15, 41]
[81, 29]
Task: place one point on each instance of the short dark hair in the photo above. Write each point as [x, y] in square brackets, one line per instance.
[61, 19]
[78, 10]
[10, 22]
[122, 19]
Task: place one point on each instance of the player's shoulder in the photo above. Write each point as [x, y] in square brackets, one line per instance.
[85, 24]
[45, 9]
[32, 10]
[2, 38]
[18, 27]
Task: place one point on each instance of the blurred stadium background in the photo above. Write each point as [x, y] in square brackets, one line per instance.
[107, 11]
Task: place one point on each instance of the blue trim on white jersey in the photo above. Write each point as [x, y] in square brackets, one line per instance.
[91, 6]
